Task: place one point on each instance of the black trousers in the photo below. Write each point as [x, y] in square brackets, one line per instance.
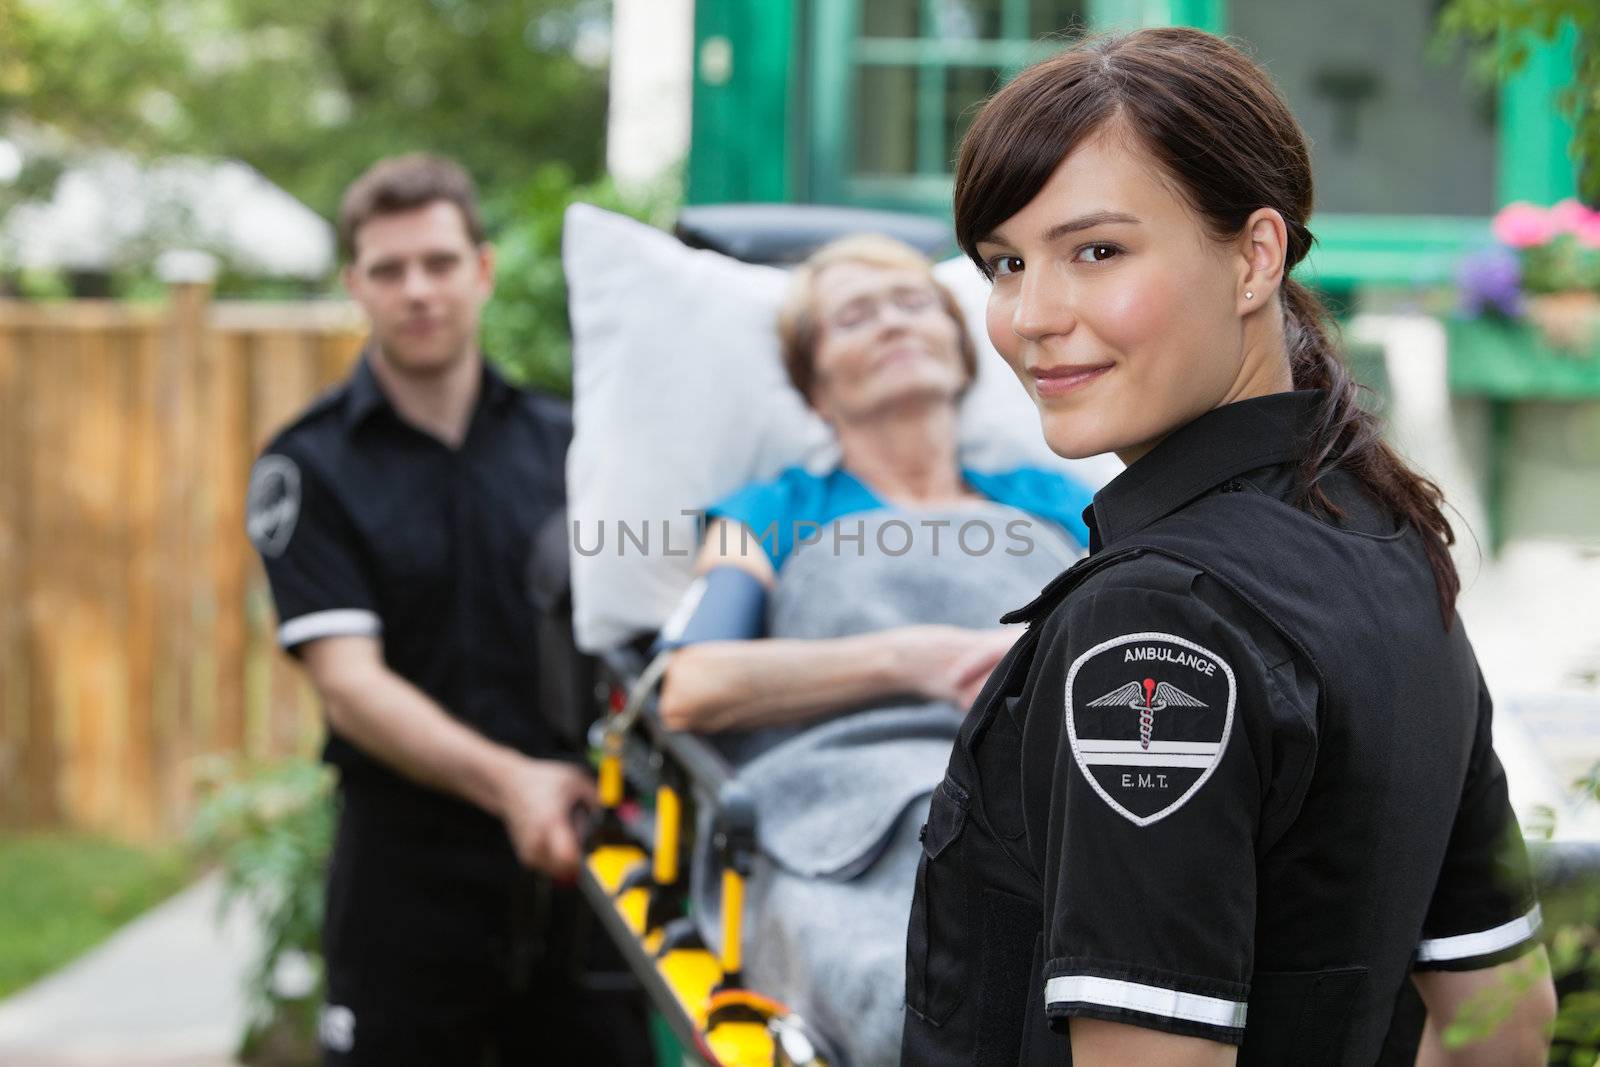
[442, 951]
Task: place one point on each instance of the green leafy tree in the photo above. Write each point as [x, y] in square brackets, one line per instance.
[311, 91]
[1504, 31]
[525, 327]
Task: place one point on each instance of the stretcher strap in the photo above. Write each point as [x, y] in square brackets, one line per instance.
[732, 916]
[669, 817]
[611, 772]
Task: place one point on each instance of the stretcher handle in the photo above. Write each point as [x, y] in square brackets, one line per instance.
[640, 694]
[708, 771]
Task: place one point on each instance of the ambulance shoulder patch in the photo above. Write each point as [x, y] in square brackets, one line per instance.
[272, 504]
[1149, 716]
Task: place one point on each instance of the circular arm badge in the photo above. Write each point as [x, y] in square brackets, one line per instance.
[1149, 716]
[272, 505]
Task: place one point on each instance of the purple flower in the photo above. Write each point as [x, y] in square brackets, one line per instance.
[1491, 283]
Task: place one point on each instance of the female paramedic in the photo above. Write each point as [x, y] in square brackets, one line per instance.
[1234, 785]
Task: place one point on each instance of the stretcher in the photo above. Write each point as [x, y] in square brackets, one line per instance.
[658, 786]
[654, 786]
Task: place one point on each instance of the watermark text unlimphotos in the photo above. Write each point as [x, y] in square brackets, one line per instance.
[891, 537]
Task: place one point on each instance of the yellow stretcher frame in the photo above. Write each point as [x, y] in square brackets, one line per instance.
[634, 877]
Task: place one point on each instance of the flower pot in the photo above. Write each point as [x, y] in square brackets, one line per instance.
[1569, 321]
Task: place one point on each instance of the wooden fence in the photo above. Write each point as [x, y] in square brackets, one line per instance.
[136, 633]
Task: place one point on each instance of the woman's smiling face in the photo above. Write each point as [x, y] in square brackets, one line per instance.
[1115, 306]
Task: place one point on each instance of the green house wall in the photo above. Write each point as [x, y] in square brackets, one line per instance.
[768, 77]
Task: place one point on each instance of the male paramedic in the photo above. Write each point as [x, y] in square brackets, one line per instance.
[396, 517]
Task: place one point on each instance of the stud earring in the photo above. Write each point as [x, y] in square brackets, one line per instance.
[1248, 295]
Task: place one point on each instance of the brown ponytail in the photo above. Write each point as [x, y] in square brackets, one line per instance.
[1349, 437]
[1218, 125]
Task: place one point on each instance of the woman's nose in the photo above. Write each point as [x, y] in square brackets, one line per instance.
[892, 316]
[1043, 308]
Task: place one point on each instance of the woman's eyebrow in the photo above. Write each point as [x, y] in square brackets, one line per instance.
[1084, 222]
[1061, 229]
[854, 303]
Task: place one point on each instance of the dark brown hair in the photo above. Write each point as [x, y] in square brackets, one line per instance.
[405, 183]
[1222, 132]
[797, 320]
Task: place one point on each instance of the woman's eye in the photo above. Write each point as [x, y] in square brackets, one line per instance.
[1098, 253]
[851, 316]
[913, 299]
[1005, 265]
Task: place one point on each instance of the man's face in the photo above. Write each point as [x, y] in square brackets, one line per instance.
[422, 283]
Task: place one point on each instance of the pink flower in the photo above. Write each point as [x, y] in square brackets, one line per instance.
[1569, 215]
[1588, 231]
[1523, 225]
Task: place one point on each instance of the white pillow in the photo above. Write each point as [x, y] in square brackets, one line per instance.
[680, 397]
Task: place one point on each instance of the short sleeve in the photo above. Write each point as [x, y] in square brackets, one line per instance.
[1483, 911]
[320, 581]
[770, 509]
[1157, 796]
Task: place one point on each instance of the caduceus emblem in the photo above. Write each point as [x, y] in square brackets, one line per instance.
[1147, 699]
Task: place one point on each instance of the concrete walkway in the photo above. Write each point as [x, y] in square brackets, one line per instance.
[164, 991]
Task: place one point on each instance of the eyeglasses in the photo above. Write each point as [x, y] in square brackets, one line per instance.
[864, 310]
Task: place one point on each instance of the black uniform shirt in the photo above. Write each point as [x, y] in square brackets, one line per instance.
[1234, 782]
[370, 526]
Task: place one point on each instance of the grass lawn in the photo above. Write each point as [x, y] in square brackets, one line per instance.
[61, 894]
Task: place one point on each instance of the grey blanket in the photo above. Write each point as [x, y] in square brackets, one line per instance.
[840, 800]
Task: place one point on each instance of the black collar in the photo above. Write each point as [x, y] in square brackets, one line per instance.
[1197, 457]
[363, 395]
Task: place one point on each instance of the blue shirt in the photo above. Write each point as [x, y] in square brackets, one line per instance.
[797, 495]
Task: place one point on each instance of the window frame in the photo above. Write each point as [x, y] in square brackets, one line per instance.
[1353, 250]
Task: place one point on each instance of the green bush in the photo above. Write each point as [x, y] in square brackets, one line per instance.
[1572, 913]
[1571, 910]
[270, 829]
[1502, 33]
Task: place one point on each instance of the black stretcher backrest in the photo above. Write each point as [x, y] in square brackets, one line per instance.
[784, 234]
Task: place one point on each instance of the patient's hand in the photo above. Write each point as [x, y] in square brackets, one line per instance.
[951, 662]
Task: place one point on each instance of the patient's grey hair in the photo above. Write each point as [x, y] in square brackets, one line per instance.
[797, 320]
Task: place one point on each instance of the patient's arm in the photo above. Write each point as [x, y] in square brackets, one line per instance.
[743, 685]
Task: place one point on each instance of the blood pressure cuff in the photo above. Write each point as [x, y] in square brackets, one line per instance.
[724, 604]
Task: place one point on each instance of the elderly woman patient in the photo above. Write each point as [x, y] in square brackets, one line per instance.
[843, 622]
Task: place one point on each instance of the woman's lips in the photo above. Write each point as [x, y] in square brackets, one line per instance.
[899, 354]
[1059, 381]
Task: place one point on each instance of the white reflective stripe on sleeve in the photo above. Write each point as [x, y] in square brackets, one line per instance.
[1482, 943]
[1150, 999]
[340, 622]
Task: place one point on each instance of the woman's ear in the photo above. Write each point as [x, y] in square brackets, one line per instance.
[817, 400]
[1263, 248]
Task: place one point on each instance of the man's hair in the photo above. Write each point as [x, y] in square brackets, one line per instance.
[405, 183]
[798, 327]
